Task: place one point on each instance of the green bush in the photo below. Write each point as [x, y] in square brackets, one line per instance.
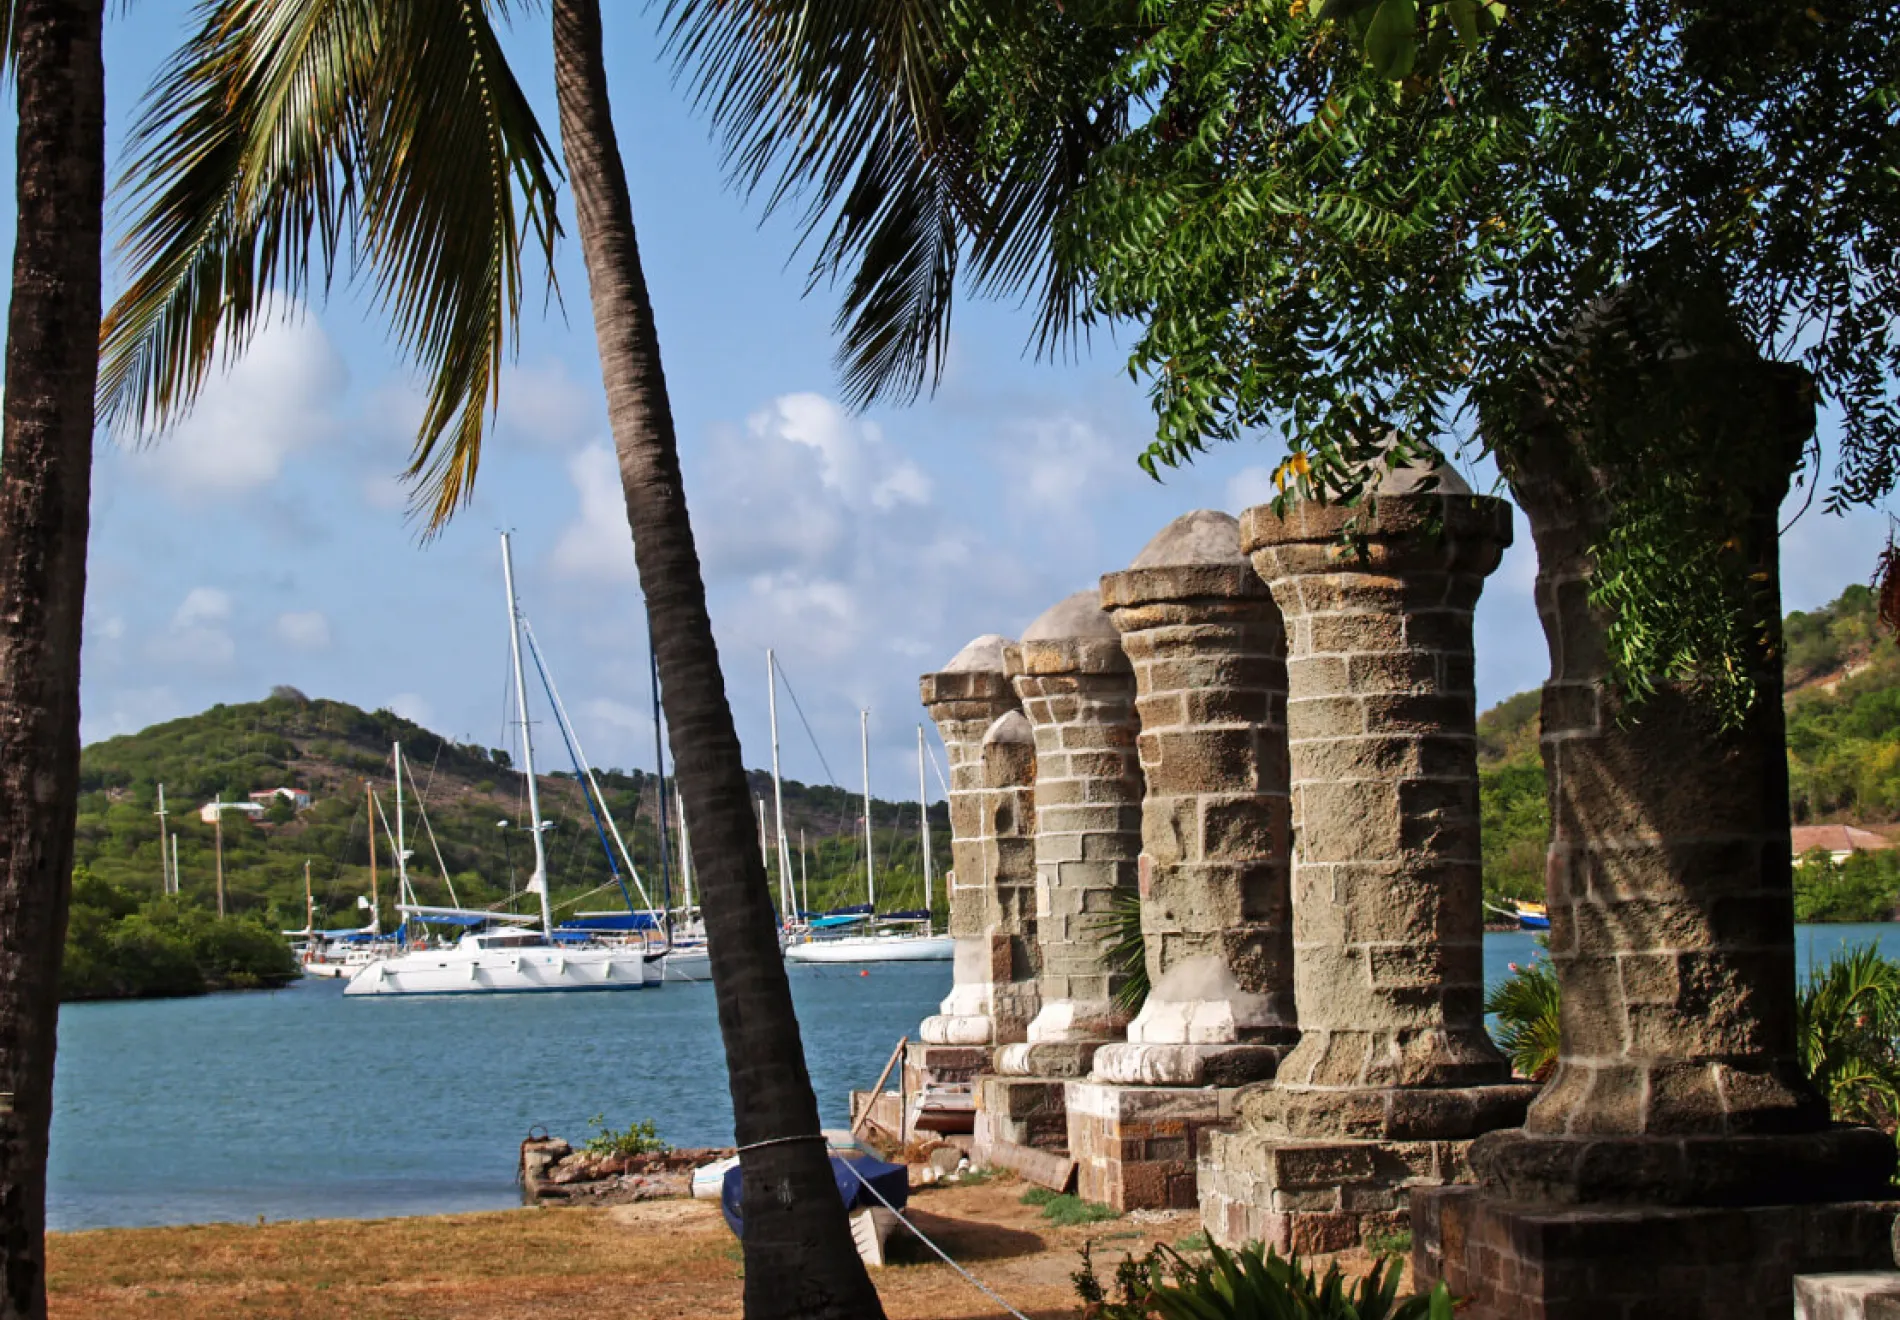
[1847, 1024]
[124, 945]
[1865, 887]
[1248, 1284]
[638, 1138]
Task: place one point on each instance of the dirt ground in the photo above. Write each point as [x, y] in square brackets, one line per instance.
[663, 1260]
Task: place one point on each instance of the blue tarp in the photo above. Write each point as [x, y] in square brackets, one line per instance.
[450, 919]
[891, 1180]
[860, 910]
[613, 921]
[825, 923]
[915, 914]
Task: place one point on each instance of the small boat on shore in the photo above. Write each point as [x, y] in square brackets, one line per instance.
[1527, 915]
[873, 1192]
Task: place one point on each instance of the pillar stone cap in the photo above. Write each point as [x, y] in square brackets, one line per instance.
[974, 674]
[1429, 518]
[984, 654]
[1073, 636]
[1011, 727]
[1196, 557]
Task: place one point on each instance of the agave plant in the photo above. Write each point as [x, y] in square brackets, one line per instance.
[1527, 1030]
[1847, 1023]
[1253, 1284]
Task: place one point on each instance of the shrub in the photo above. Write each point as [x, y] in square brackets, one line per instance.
[1847, 1025]
[1248, 1284]
[641, 1137]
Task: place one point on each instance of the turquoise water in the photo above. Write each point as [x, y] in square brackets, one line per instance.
[300, 1104]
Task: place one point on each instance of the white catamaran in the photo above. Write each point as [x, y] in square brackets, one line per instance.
[863, 935]
[504, 954]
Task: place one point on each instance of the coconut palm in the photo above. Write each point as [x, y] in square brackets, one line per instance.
[1847, 1026]
[52, 49]
[284, 124]
[1526, 1006]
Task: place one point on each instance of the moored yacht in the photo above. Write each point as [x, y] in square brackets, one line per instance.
[501, 961]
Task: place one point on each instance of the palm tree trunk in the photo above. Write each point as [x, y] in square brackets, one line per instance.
[45, 485]
[799, 1258]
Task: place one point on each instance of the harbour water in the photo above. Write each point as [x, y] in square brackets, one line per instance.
[300, 1104]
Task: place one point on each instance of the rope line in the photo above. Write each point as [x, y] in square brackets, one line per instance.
[780, 1141]
[942, 1255]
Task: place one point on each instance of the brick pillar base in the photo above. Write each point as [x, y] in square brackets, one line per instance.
[942, 1065]
[1019, 1111]
[1524, 1261]
[1320, 1171]
[1135, 1147]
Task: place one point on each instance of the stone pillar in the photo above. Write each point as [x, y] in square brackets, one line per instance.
[965, 699]
[1079, 693]
[1394, 1073]
[1205, 640]
[1677, 1124]
[1210, 675]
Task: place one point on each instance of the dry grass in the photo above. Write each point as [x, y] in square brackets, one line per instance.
[666, 1260]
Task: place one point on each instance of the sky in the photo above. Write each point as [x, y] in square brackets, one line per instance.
[264, 541]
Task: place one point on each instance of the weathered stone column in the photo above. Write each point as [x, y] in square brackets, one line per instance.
[1078, 691]
[1677, 1161]
[965, 699]
[1208, 648]
[1394, 1073]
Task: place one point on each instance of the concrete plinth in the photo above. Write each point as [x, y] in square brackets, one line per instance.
[1136, 1147]
[926, 1064]
[1208, 650]
[1871, 1295]
[1519, 1261]
[1078, 693]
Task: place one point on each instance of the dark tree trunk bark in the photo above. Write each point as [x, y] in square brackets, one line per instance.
[799, 1258]
[45, 485]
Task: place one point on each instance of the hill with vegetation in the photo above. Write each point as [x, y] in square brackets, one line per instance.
[457, 798]
[1843, 709]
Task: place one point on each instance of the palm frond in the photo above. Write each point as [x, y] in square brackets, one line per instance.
[1529, 1023]
[857, 110]
[287, 138]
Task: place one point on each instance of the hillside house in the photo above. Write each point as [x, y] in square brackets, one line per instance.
[297, 797]
[1839, 842]
[208, 813]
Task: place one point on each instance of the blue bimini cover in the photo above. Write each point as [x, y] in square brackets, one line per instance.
[851, 1175]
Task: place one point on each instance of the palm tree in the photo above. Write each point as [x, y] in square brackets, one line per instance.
[54, 52]
[279, 119]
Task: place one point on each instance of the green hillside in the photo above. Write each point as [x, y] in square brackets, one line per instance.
[1843, 707]
[331, 749]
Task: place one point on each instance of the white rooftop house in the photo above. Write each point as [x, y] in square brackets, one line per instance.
[208, 813]
[297, 797]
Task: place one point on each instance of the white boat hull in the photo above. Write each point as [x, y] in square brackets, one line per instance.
[461, 971]
[873, 948]
[689, 964]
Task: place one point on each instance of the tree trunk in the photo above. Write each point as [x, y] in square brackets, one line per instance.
[45, 485]
[799, 1258]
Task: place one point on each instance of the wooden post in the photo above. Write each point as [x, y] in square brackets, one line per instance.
[877, 1087]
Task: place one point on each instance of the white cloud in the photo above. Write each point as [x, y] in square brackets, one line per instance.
[544, 405]
[197, 635]
[597, 544]
[1061, 464]
[411, 706]
[279, 398]
[307, 630]
[625, 724]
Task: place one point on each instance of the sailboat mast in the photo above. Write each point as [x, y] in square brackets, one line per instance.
[804, 873]
[778, 790]
[923, 817]
[402, 843]
[686, 854]
[864, 748]
[659, 796]
[309, 903]
[218, 828]
[540, 881]
[164, 867]
[375, 899]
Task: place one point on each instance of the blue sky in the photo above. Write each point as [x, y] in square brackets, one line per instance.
[264, 541]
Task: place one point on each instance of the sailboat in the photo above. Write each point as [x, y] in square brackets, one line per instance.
[862, 934]
[504, 954]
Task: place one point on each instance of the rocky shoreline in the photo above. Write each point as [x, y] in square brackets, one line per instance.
[551, 1170]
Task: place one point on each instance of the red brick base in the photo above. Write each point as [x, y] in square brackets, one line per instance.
[1135, 1146]
[1515, 1261]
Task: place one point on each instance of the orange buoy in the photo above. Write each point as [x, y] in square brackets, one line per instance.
[864, 972]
